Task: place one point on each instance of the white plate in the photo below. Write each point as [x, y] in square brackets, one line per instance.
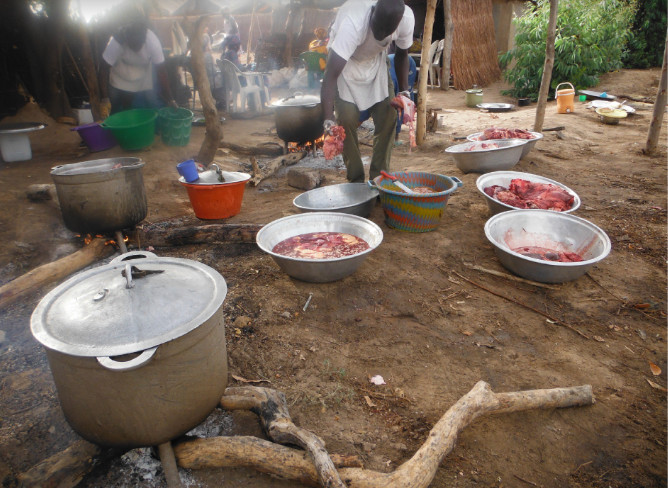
[606, 104]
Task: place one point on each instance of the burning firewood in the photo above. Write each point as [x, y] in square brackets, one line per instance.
[270, 167]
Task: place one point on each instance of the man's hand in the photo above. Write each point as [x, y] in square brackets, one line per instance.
[328, 124]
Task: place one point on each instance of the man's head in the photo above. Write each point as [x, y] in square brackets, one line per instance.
[386, 17]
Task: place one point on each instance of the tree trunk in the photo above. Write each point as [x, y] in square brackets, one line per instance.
[90, 72]
[214, 131]
[447, 44]
[547, 67]
[57, 103]
[290, 38]
[421, 129]
[659, 107]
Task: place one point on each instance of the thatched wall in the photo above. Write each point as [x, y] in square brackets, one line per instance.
[474, 53]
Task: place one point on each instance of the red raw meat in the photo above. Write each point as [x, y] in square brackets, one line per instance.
[526, 194]
[333, 145]
[548, 254]
[496, 133]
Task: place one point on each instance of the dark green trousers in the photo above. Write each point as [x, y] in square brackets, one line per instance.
[384, 118]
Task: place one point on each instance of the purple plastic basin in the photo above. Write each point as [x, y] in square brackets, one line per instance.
[96, 137]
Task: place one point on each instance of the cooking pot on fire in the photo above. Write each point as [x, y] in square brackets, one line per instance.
[102, 195]
[299, 118]
[136, 348]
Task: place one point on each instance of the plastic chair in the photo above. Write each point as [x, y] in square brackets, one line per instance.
[430, 59]
[435, 65]
[242, 88]
[311, 60]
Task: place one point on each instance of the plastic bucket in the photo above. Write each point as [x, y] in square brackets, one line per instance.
[419, 212]
[218, 201]
[175, 125]
[95, 137]
[133, 129]
[565, 99]
[188, 169]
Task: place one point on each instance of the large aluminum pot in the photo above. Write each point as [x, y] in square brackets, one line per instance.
[299, 118]
[136, 348]
[102, 195]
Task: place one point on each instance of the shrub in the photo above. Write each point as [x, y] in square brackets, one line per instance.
[590, 40]
[645, 48]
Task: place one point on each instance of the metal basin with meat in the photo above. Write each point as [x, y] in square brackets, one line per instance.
[319, 270]
[471, 158]
[503, 178]
[529, 144]
[546, 230]
[136, 348]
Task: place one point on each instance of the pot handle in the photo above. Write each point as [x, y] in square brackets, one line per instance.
[372, 184]
[456, 180]
[112, 365]
[133, 255]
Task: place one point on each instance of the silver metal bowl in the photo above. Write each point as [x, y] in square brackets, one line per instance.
[505, 156]
[319, 270]
[528, 143]
[550, 230]
[503, 178]
[350, 198]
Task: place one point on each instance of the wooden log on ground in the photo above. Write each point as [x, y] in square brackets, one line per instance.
[417, 472]
[264, 149]
[258, 454]
[48, 273]
[66, 468]
[269, 168]
[272, 408]
[179, 233]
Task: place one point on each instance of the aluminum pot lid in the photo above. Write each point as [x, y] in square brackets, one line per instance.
[298, 100]
[102, 312]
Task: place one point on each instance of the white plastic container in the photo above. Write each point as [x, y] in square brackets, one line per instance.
[14, 141]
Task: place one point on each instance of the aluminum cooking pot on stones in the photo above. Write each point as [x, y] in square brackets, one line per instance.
[136, 348]
[102, 195]
[299, 118]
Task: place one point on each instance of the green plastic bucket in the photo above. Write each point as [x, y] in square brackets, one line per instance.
[133, 129]
[175, 125]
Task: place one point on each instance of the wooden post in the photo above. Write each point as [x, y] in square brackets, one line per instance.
[659, 107]
[214, 131]
[421, 129]
[92, 82]
[447, 44]
[547, 67]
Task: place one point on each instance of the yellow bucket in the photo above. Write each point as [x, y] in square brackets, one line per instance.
[565, 99]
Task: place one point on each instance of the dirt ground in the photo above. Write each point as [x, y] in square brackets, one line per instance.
[416, 313]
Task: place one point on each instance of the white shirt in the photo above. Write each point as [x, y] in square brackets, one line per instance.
[133, 71]
[363, 80]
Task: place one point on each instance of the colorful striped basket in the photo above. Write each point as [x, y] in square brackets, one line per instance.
[419, 212]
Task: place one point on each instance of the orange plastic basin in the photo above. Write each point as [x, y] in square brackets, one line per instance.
[218, 201]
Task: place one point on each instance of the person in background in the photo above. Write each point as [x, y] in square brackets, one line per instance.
[357, 76]
[231, 44]
[319, 45]
[127, 73]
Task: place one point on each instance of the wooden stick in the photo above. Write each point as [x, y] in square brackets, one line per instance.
[270, 167]
[556, 321]
[169, 465]
[511, 277]
[558, 128]
[272, 408]
[251, 452]
[418, 472]
[55, 271]
[547, 67]
[167, 234]
[659, 107]
[265, 149]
